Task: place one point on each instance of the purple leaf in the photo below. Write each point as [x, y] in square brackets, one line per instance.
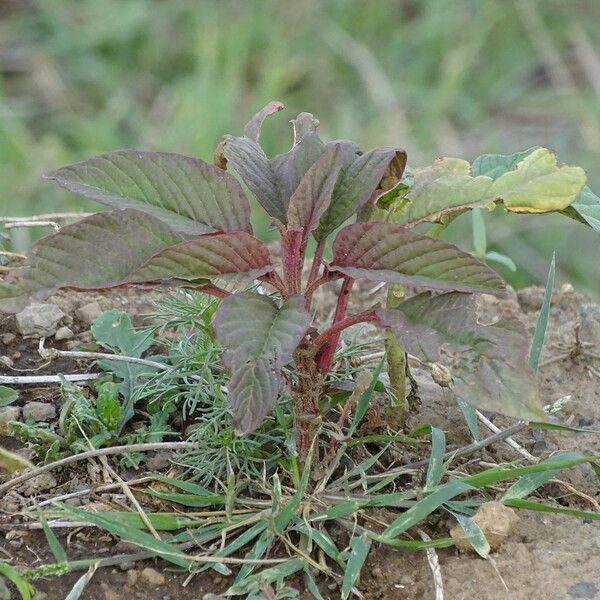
[253, 127]
[261, 337]
[191, 196]
[220, 255]
[252, 391]
[490, 368]
[357, 184]
[388, 252]
[313, 195]
[100, 251]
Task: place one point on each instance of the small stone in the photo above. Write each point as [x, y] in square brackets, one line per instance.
[583, 589]
[158, 461]
[585, 421]
[10, 413]
[377, 572]
[40, 596]
[39, 411]
[8, 338]
[132, 577]
[152, 577]
[589, 328]
[39, 319]
[496, 522]
[127, 565]
[63, 333]
[88, 313]
[7, 361]
[566, 288]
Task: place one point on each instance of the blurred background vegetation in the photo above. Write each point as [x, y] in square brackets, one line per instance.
[439, 77]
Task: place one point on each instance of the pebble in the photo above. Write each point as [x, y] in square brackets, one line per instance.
[63, 333]
[39, 319]
[88, 313]
[10, 413]
[7, 361]
[132, 577]
[583, 589]
[39, 411]
[8, 338]
[589, 328]
[41, 483]
[152, 577]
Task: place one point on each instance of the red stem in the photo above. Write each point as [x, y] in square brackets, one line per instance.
[334, 331]
[310, 289]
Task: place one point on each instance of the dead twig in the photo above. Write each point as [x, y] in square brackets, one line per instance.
[36, 379]
[508, 440]
[434, 565]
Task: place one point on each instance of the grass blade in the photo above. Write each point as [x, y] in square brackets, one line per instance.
[542, 323]
[312, 587]
[541, 507]
[252, 584]
[435, 470]
[359, 550]
[470, 416]
[55, 546]
[81, 584]
[365, 398]
[257, 551]
[473, 534]
[18, 581]
[425, 507]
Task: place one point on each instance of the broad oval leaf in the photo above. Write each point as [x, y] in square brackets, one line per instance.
[220, 255]
[313, 195]
[538, 185]
[252, 392]
[356, 185]
[12, 297]
[388, 252]
[100, 251]
[443, 187]
[491, 368]
[191, 196]
[252, 326]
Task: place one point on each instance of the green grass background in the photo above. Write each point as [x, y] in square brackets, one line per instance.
[439, 77]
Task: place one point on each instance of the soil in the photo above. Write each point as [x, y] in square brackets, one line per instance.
[545, 556]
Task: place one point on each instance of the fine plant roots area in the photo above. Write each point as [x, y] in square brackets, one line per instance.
[359, 409]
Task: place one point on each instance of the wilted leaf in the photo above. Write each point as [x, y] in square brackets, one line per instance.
[586, 209]
[388, 252]
[443, 187]
[253, 127]
[313, 195]
[261, 337]
[100, 251]
[491, 369]
[219, 255]
[252, 393]
[538, 185]
[356, 185]
[495, 165]
[192, 196]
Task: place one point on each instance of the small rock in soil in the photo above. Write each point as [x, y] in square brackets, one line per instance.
[7, 361]
[10, 413]
[159, 461]
[152, 577]
[8, 338]
[63, 333]
[40, 596]
[496, 522]
[88, 313]
[132, 577]
[39, 411]
[39, 319]
[583, 589]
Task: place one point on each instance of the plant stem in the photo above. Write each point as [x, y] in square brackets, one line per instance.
[396, 359]
[316, 263]
[337, 328]
[326, 355]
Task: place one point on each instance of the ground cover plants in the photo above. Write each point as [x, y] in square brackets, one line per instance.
[259, 353]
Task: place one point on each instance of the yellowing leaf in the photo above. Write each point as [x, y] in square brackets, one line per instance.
[538, 185]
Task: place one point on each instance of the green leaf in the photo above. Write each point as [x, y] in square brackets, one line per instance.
[559, 510]
[55, 546]
[473, 534]
[191, 196]
[260, 337]
[444, 187]
[470, 418]
[380, 251]
[479, 237]
[357, 185]
[254, 583]
[100, 251]
[81, 584]
[113, 330]
[359, 550]
[425, 507]
[22, 585]
[11, 462]
[108, 407]
[538, 185]
[7, 395]
[586, 208]
[365, 399]
[501, 259]
[539, 334]
[435, 471]
[495, 165]
[12, 297]
[313, 195]
[490, 368]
